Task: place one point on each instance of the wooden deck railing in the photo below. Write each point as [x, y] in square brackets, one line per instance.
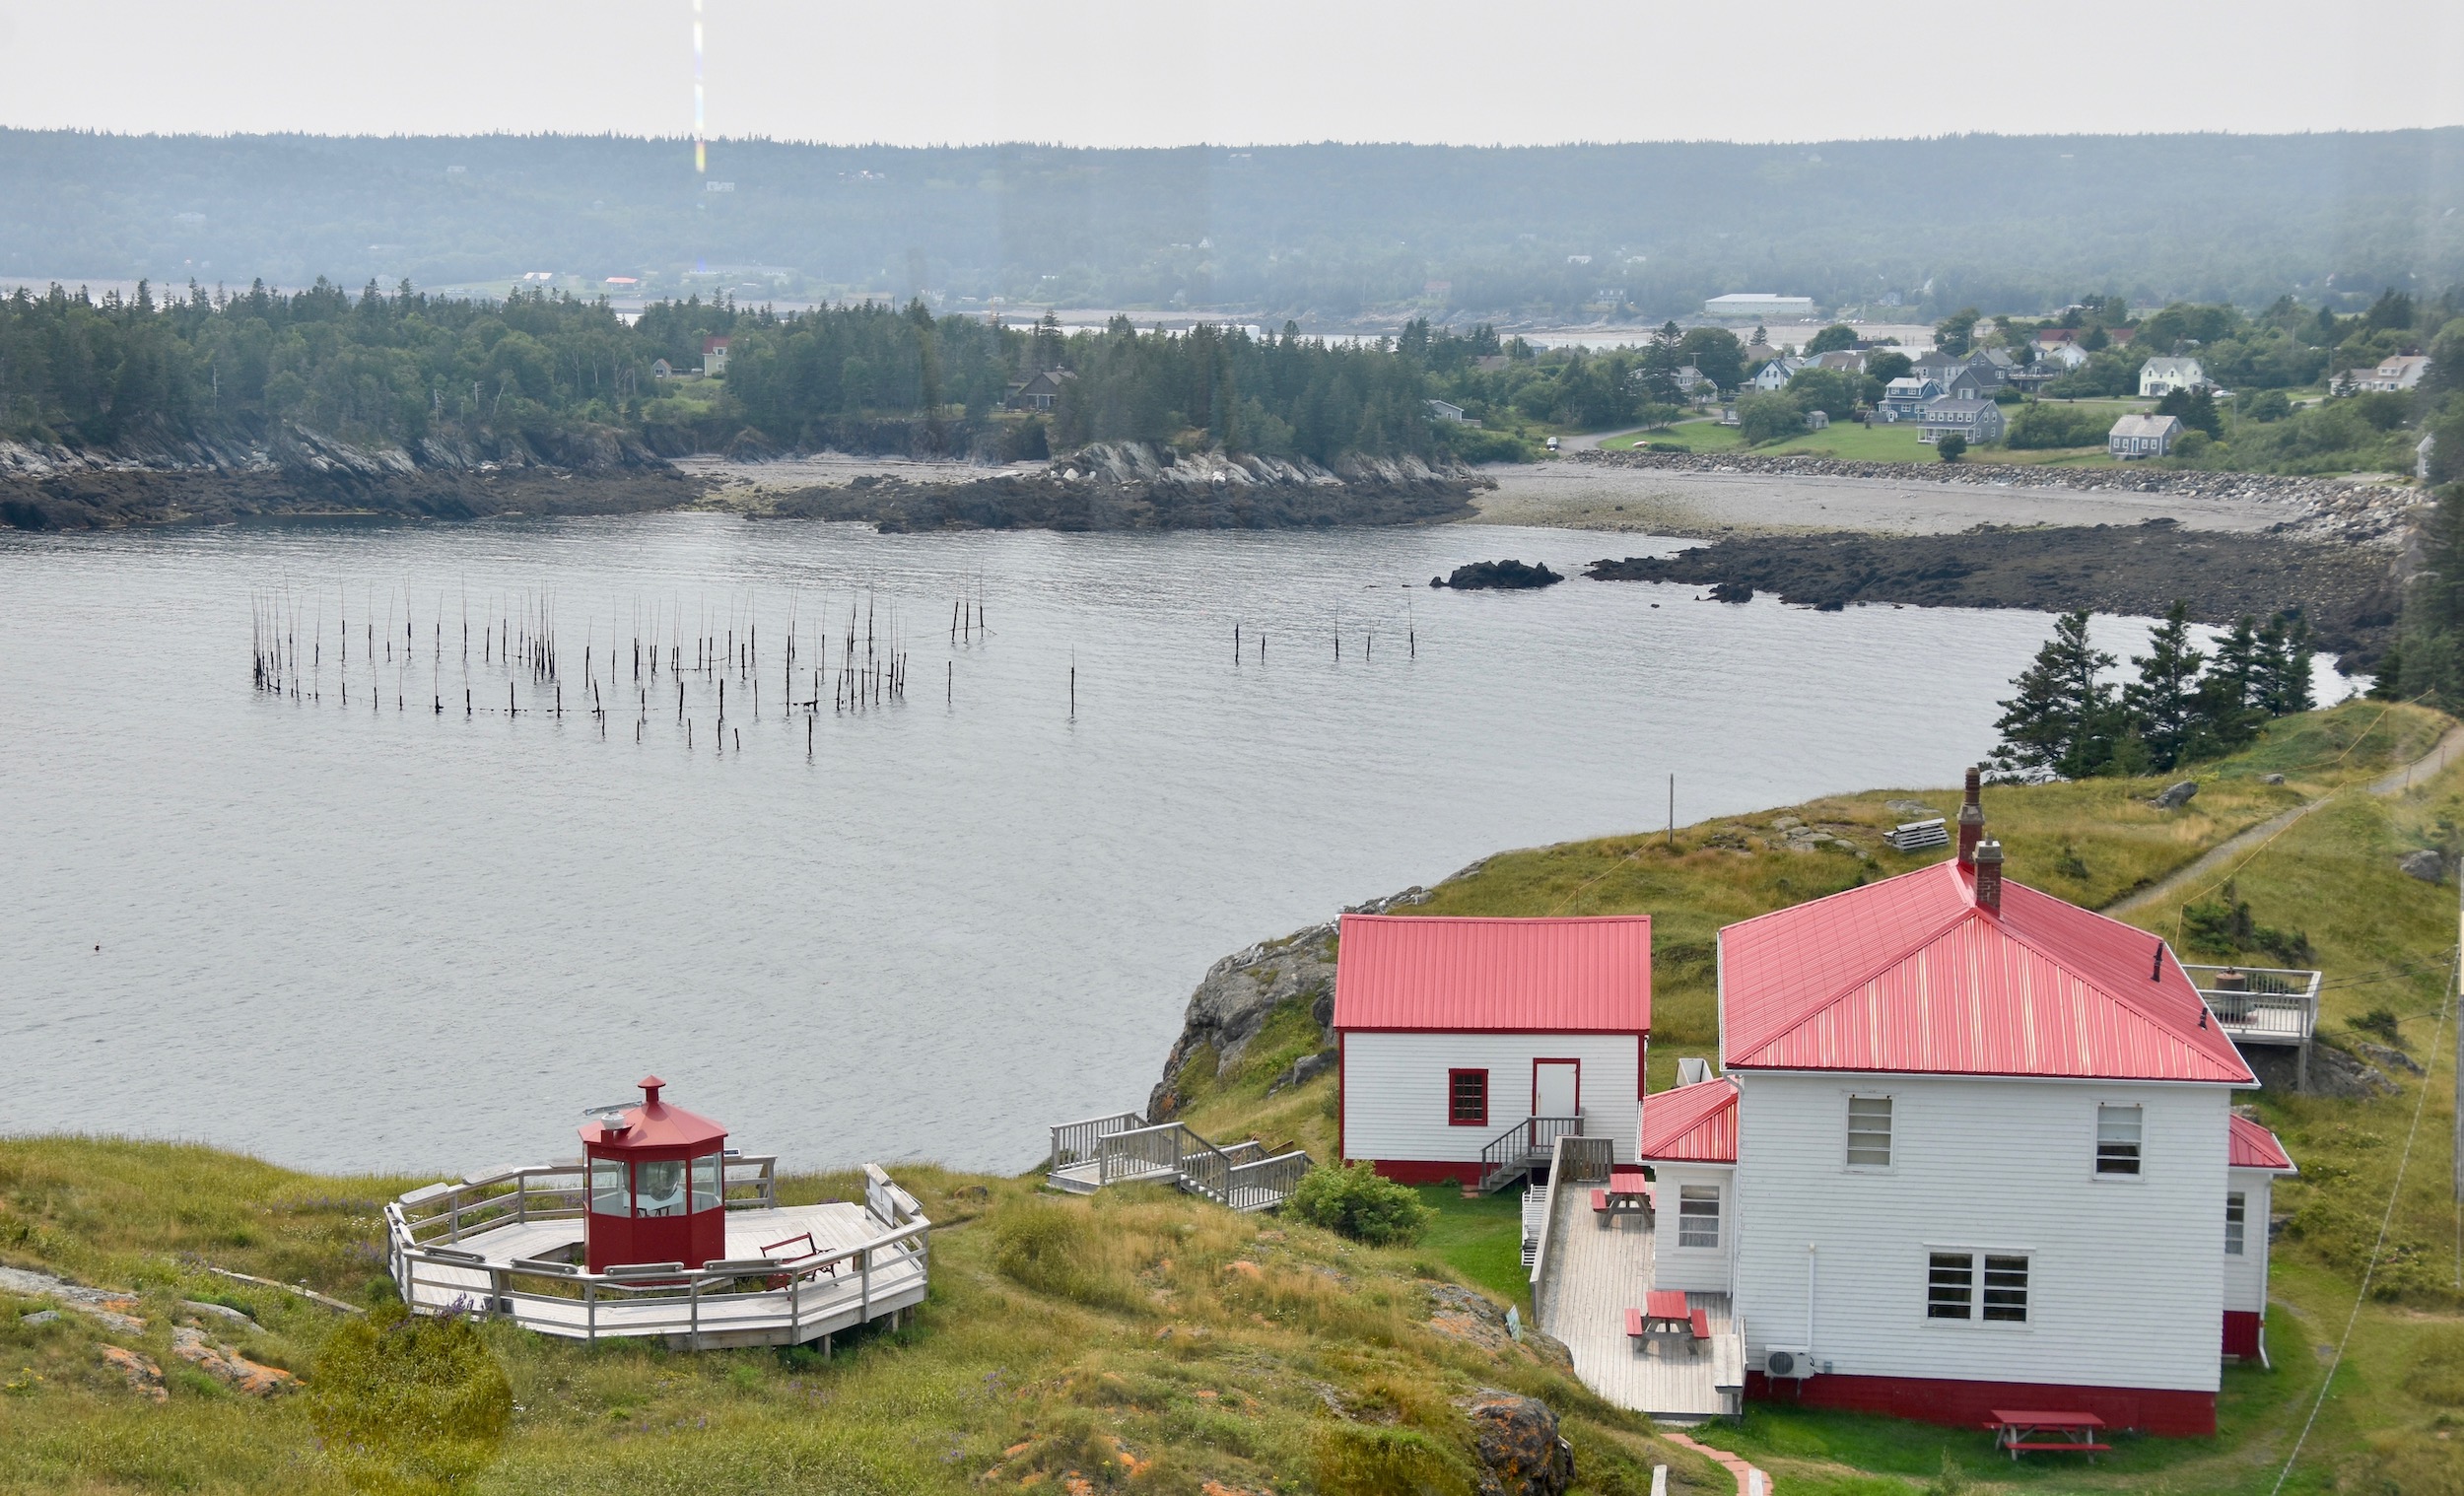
[2260, 1004]
[448, 1212]
[1079, 1141]
[814, 1292]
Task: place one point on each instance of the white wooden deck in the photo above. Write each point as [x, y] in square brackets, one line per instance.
[1595, 1274]
[813, 1303]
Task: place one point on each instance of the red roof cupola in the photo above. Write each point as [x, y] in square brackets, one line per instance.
[657, 1184]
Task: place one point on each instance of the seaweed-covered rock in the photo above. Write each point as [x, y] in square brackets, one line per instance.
[1499, 575]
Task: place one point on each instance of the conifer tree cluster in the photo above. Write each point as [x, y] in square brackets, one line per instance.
[2069, 720]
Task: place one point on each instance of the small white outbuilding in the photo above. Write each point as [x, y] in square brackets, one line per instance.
[1468, 1046]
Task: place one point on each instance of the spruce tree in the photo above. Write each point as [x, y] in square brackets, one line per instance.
[2060, 722]
[2228, 697]
[2164, 702]
[2285, 684]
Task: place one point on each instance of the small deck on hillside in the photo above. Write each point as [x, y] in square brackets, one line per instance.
[1591, 1274]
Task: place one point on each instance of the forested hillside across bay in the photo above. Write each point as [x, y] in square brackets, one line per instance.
[404, 368]
[1319, 232]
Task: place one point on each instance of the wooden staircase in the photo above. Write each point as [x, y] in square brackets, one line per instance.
[1122, 1149]
[1514, 1153]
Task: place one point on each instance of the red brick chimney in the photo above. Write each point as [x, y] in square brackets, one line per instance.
[1971, 823]
[1989, 878]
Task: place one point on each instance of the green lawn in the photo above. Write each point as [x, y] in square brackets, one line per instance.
[1480, 1238]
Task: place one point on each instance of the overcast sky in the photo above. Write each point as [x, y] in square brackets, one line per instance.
[1168, 72]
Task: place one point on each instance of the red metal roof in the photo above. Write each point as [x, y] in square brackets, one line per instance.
[2254, 1147]
[1911, 974]
[655, 1125]
[1691, 1125]
[1588, 975]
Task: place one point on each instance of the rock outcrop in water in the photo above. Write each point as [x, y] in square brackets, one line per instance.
[1129, 486]
[1498, 576]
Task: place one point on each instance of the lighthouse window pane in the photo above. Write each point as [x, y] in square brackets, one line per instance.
[706, 1181]
[659, 1186]
[609, 1195]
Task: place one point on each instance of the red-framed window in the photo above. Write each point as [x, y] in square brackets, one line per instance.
[1466, 1098]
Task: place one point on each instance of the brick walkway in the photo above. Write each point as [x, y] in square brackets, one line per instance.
[1750, 1481]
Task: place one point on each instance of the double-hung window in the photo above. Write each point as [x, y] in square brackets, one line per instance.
[2236, 1207]
[1949, 1285]
[1987, 1286]
[1698, 1215]
[2118, 1132]
[1869, 1131]
[1466, 1098]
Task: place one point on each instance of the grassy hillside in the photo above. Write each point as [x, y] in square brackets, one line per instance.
[1144, 1342]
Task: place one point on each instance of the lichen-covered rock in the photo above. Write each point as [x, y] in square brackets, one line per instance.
[2426, 864]
[1521, 1452]
[227, 1366]
[2387, 1057]
[145, 1379]
[2175, 797]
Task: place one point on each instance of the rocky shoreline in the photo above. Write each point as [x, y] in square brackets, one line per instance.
[1129, 486]
[2350, 594]
[289, 472]
[2314, 509]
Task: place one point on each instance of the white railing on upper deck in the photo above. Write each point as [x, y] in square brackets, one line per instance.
[448, 1212]
[801, 1296]
[2260, 1004]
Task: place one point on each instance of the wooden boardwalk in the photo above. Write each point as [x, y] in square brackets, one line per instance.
[1595, 1274]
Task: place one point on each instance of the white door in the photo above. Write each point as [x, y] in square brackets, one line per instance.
[1557, 1087]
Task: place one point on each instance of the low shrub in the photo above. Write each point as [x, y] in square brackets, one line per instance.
[2437, 1375]
[1354, 1461]
[1051, 1249]
[409, 1404]
[1951, 448]
[1356, 1203]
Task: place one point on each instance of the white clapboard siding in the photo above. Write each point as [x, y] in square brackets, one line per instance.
[1697, 1269]
[2126, 1278]
[2245, 1277]
[1395, 1090]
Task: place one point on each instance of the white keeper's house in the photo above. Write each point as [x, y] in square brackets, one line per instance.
[1467, 1046]
[1973, 1148]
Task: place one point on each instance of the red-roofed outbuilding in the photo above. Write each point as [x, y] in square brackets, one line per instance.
[1467, 1046]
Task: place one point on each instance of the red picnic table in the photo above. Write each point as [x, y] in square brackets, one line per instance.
[2035, 1430]
[1629, 1194]
[1664, 1312]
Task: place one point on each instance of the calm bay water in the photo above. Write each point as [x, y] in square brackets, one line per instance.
[349, 939]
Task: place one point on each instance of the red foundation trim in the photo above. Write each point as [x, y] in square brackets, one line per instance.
[2242, 1329]
[1425, 1171]
[1971, 1405]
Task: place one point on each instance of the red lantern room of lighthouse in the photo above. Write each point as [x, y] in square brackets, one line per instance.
[656, 1185]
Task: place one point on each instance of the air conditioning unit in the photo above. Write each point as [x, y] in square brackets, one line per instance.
[1786, 1361]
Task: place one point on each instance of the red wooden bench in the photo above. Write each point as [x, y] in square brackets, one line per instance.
[1701, 1324]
